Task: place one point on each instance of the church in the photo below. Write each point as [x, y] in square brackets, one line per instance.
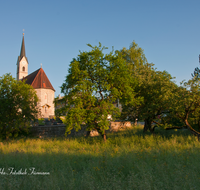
[39, 81]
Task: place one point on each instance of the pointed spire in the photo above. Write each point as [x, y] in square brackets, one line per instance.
[22, 53]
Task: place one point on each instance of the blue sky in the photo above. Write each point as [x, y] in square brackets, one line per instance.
[55, 31]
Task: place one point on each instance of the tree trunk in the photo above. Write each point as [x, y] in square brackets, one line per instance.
[147, 125]
[102, 134]
[104, 137]
[87, 134]
[194, 132]
[199, 124]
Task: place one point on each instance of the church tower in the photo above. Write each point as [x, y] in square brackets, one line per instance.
[39, 81]
[22, 62]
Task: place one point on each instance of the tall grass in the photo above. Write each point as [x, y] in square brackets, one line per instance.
[128, 160]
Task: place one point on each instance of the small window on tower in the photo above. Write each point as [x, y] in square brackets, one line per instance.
[23, 68]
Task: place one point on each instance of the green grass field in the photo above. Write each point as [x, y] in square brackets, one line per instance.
[128, 160]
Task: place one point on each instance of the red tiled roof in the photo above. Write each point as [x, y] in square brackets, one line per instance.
[39, 79]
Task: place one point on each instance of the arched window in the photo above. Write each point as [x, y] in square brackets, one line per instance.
[23, 68]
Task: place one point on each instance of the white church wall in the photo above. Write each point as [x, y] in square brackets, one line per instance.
[46, 99]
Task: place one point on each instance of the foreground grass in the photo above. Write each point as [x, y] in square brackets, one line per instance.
[129, 160]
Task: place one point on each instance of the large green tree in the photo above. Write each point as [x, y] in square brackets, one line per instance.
[154, 88]
[17, 106]
[94, 82]
[186, 102]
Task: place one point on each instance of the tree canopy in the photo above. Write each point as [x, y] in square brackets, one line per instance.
[17, 106]
[186, 102]
[95, 81]
[154, 88]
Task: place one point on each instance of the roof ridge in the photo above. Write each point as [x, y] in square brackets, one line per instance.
[41, 75]
[39, 79]
[48, 80]
[35, 75]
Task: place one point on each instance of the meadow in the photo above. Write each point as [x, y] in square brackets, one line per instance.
[128, 160]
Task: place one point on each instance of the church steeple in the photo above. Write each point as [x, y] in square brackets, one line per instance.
[22, 53]
[22, 62]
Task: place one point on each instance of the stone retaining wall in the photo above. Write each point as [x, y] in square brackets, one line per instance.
[48, 131]
[59, 130]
